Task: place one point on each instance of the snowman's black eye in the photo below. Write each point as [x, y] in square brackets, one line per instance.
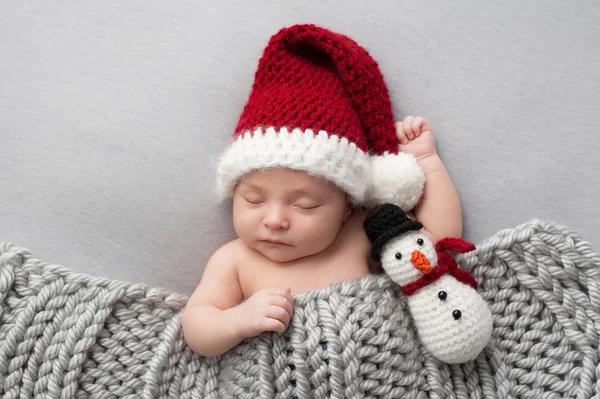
[456, 314]
[442, 295]
[420, 241]
[398, 255]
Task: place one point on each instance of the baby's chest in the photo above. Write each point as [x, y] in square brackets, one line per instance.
[303, 275]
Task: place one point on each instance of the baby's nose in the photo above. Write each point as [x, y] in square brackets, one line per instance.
[420, 262]
[276, 219]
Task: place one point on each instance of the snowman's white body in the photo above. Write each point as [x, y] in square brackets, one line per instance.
[448, 338]
[451, 340]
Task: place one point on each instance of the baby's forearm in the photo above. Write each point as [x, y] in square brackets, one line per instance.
[439, 209]
[210, 331]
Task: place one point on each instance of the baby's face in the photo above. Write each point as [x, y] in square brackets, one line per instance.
[287, 214]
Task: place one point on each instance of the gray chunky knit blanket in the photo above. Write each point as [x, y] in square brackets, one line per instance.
[67, 335]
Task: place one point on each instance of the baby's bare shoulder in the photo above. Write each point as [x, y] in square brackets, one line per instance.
[224, 259]
[237, 250]
[219, 285]
[230, 250]
[232, 254]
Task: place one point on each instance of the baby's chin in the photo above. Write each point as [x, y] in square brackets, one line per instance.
[280, 254]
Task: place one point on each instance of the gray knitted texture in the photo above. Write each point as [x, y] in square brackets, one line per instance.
[67, 335]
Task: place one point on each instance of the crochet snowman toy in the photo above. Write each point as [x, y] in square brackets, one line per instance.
[452, 320]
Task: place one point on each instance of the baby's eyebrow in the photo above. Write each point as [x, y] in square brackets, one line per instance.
[301, 191]
[251, 186]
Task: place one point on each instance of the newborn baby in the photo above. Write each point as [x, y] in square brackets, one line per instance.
[301, 174]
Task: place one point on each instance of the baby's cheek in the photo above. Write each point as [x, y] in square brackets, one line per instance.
[320, 233]
[246, 222]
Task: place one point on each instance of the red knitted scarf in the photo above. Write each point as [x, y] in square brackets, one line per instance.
[446, 265]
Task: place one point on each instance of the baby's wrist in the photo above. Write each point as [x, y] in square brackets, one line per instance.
[233, 321]
[426, 156]
[430, 163]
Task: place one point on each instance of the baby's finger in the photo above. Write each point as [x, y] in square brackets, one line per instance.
[406, 127]
[289, 307]
[284, 303]
[289, 304]
[416, 126]
[279, 291]
[425, 127]
[273, 325]
[287, 295]
[400, 133]
[279, 313]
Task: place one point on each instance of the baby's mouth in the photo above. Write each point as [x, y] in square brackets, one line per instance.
[275, 242]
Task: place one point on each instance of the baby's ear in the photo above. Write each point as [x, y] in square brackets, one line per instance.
[348, 208]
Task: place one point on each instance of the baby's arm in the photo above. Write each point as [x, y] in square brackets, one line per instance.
[209, 319]
[215, 319]
[439, 209]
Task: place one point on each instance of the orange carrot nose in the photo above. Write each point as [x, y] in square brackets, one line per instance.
[420, 262]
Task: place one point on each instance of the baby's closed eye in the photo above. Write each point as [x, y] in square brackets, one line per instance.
[307, 205]
[253, 199]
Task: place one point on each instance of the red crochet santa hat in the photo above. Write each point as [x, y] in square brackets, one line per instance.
[319, 104]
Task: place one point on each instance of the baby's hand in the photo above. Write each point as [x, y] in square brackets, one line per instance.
[269, 309]
[415, 137]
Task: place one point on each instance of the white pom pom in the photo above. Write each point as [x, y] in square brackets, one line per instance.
[397, 179]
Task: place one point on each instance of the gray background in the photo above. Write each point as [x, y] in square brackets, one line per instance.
[110, 112]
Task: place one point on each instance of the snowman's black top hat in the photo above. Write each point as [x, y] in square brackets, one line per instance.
[386, 222]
